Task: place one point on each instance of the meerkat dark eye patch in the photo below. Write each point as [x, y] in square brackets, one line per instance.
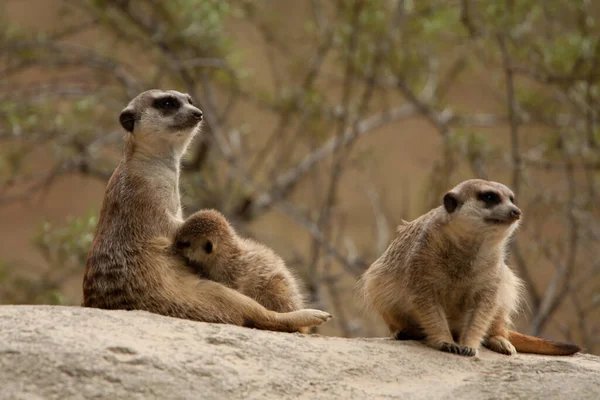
[182, 244]
[490, 198]
[512, 199]
[208, 247]
[166, 103]
[190, 100]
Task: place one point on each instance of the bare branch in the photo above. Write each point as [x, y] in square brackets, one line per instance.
[288, 180]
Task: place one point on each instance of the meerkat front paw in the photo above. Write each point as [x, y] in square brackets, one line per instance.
[500, 345]
[456, 349]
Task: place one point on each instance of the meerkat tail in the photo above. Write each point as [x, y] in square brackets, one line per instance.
[534, 345]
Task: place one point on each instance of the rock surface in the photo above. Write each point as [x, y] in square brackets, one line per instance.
[75, 353]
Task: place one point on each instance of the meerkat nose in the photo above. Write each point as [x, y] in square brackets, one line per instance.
[197, 115]
[515, 213]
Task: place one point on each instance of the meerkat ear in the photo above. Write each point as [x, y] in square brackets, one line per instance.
[127, 119]
[450, 202]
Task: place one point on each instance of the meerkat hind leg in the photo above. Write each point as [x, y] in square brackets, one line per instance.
[209, 301]
[497, 339]
[404, 327]
[432, 318]
[292, 321]
[392, 321]
[411, 332]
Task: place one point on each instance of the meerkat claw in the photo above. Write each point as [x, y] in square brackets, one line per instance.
[457, 349]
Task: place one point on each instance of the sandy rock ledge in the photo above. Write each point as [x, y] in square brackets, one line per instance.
[75, 353]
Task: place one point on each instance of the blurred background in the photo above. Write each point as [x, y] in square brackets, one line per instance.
[327, 122]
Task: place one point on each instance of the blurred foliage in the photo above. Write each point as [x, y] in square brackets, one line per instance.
[67, 245]
[64, 249]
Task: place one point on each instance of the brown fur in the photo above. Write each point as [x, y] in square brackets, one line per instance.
[130, 265]
[443, 279]
[241, 264]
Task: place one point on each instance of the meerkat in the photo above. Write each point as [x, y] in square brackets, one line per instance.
[128, 265]
[444, 279]
[210, 244]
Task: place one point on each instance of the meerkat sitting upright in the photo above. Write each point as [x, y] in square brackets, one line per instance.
[211, 245]
[128, 266]
[444, 280]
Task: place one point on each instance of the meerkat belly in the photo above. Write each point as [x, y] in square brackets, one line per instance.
[465, 292]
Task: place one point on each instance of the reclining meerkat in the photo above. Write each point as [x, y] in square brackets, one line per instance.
[128, 266]
[444, 279]
[211, 245]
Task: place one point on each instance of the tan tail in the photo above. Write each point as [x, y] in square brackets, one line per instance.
[531, 344]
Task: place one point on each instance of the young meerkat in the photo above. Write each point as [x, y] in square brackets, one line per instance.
[211, 245]
[444, 279]
[130, 265]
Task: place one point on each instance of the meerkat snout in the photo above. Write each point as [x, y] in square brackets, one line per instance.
[515, 213]
[197, 114]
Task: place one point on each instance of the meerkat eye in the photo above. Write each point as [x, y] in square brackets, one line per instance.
[208, 247]
[167, 103]
[489, 198]
[182, 244]
[190, 100]
[512, 199]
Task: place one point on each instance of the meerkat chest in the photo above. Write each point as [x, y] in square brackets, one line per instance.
[474, 277]
[466, 262]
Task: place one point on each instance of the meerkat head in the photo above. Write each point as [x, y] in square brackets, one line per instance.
[204, 236]
[482, 207]
[161, 120]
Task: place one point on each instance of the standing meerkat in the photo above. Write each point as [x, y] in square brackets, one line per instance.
[128, 266]
[211, 245]
[444, 279]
